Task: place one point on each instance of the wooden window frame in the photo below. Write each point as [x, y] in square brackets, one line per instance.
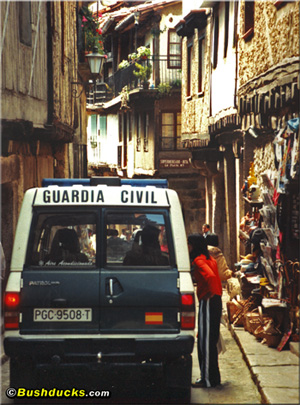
[172, 30]
[201, 66]
[249, 20]
[138, 131]
[280, 3]
[226, 28]
[129, 121]
[189, 69]
[216, 39]
[146, 132]
[175, 135]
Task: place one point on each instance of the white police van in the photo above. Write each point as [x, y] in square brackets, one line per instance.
[100, 283]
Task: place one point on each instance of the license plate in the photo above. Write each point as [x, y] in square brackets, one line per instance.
[62, 315]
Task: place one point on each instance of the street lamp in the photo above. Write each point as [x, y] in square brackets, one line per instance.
[95, 62]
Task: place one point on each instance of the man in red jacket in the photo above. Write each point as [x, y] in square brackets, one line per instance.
[209, 292]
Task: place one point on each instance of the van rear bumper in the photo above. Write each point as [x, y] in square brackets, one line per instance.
[100, 350]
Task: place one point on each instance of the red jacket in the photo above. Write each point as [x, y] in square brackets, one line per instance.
[207, 276]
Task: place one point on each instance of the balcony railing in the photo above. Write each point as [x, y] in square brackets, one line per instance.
[100, 93]
[161, 74]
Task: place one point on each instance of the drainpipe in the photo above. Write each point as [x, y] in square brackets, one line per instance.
[49, 65]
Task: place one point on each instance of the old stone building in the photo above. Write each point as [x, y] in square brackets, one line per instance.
[240, 80]
[43, 127]
[269, 110]
[209, 113]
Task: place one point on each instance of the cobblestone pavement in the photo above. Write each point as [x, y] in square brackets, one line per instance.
[237, 386]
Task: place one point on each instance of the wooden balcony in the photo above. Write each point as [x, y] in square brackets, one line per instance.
[162, 74]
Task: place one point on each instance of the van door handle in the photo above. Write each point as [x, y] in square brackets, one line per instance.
[59, 302]
[111, 287]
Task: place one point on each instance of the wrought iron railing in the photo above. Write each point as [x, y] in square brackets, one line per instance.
[162, 75]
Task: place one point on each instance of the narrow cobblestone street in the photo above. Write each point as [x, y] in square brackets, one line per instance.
[237, 385]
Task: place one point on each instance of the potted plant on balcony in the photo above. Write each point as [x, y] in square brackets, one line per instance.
[133, 56]
[91, 30]
[143, 73]
[143, 52]
[124, 64]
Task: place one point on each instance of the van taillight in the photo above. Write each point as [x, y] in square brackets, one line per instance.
[187, 311]
[11, 310]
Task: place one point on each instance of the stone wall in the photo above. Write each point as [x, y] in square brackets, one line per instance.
[276, 38]
[195, 109]
[264, 159]
[191, 192]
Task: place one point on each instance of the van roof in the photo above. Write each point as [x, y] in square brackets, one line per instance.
[109, 181]
[84, 192]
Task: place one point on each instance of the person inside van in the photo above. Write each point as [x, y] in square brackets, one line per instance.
[148, 253]
[65, 248]
[116, 247]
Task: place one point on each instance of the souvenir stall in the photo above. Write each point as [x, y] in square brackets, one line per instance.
[268, 303]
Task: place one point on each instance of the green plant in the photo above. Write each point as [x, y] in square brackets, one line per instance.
[176, 83]
[164, 89]
[92, 31]
[124, 64]
[143, 51]
[133, 56]
[143, 72]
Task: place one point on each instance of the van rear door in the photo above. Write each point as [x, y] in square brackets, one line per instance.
[138, 289]
[60, 292]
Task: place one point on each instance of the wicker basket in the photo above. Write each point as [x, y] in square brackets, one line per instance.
[232, 308]
[235, 310]
[272, 340]
[252, 320]
[259, 332]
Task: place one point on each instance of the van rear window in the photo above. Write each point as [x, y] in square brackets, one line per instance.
[65, 239]
[70, 239]
[137, 238]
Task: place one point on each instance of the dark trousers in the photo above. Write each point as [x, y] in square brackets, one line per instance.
[209, 317]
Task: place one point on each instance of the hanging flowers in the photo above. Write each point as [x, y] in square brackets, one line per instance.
[92, 31]
[143, 52]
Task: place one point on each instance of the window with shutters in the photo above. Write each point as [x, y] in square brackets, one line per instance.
[174, 50]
